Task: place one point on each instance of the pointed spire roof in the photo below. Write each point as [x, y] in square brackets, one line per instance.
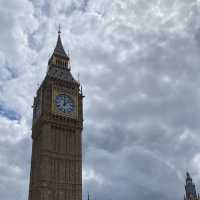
[59, 64]
[190, 188]
[59, 50]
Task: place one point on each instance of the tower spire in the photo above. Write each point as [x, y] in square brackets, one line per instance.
[59, 50]
[59, 63]
[59, 29]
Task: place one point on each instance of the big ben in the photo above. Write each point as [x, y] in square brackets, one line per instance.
[56, 163]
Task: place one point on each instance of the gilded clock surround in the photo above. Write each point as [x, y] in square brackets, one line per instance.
[58, 91]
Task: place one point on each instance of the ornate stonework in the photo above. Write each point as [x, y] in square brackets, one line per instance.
[56, 164]
[190, 189]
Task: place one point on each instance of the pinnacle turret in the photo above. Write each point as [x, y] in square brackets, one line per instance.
[190, 189]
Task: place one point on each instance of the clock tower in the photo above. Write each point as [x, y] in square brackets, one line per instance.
[56, 163]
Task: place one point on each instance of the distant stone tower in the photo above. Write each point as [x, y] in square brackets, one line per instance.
[190, 190]
[56, 164]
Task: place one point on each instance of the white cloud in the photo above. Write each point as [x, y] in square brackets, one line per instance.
[12, 130]
[139, 63]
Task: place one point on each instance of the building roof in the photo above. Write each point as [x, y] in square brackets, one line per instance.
[59, 50]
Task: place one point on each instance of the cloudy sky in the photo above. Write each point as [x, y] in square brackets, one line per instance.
[139, 63]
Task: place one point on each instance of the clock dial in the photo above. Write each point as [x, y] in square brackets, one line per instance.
[64, 103]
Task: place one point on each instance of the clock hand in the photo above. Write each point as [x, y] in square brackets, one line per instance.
[64, 102]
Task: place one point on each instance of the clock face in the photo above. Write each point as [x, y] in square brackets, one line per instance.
[64, 103]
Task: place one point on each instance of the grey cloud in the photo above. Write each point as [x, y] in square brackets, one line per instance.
[14, 169]
[139, 64]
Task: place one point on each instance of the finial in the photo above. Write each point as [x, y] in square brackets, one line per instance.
[59, 29]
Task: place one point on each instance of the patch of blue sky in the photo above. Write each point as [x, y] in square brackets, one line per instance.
[10, 114]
